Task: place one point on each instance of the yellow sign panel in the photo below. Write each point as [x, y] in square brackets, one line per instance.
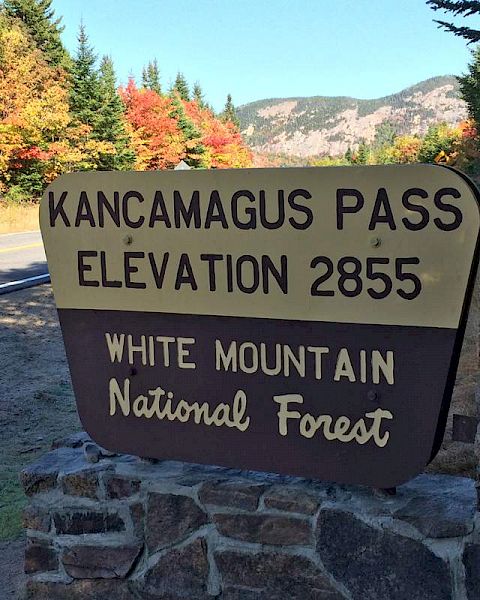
[319, 244]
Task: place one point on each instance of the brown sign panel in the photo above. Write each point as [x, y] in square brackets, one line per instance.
[301, 321]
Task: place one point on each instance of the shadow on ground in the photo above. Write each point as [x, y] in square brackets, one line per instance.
[36, 407]
[31, 270]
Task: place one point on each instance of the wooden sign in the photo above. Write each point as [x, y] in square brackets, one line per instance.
[301, 321]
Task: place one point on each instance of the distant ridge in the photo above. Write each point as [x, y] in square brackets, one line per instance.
[326, 125]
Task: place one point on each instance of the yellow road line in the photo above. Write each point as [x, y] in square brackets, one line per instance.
[14, 248]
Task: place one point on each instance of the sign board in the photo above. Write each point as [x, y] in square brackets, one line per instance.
[301, 321]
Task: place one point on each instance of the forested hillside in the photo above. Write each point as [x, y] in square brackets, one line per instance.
[331, 125]
[61, 113]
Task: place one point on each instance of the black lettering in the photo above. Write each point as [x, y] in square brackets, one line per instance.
[342, 209]
[215, 212]
[185, 273]
[83, 268]
[211, 259]
[187, 214]
[454, 210]
[129, 269]
[263, 210]
[84, 211]
[315, 288]
[114, 211]
[306, 210]
[57, 209]
[229, 263]
[103, 270]
[159, 276]
[382, 202]
[252, 222]
[351, 274]
[159, 205]
[247, 258]
[125, 208]
[280, 277]
[418, 208]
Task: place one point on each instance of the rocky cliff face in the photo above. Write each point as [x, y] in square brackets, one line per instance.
[323, 125]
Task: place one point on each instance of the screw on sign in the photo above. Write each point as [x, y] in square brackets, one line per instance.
[301, 321]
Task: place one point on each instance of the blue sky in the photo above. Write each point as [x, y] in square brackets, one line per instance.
[258, 49]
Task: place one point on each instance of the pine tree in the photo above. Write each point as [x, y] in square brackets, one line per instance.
[349, 155]
[192, 137]
[181, 87]
[151, 77]
[470, 87]
[465, 8]
[85, 99]
[110, 122]
[363, 154]
[198, 95]
[39, 18]
[144, 78]
[385, 134]
[153, 73]
[229, 113]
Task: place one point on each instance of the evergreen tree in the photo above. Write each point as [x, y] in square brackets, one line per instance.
[39, 18]
[465, 8]
[110, 122]
[144, 78]
[181, 87]
[229, 113]
[198, 95]
[85, 99]
[192, 137]
[153, 74]
[349, 155]
[363, 154]
[151, 77]
[470, 87]
[385, 135]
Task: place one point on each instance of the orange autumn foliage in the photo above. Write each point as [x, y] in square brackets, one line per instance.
[158, 140]
[224, 145]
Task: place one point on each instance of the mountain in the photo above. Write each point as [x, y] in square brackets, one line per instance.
[323, 125]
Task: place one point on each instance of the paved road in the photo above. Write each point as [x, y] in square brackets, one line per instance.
[21, 257]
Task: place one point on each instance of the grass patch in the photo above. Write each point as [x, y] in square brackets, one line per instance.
[51, 415]
[12, 501]
[18, 216]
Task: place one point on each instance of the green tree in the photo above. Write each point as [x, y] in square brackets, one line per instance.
[144, 78]
[229, 113]
[198, 95]
[464, 8]
[39, 18]
[151, 77]
[470, 87]
[191, 135]
[438, 138]
[363, 154]
[85, 101]
[348, 156]
[180, 86]
[385, 134]
[110, 122]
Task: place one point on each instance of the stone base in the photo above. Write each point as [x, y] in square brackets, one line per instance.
[124, 528]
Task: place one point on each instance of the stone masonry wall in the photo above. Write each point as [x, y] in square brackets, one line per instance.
[107, 527]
